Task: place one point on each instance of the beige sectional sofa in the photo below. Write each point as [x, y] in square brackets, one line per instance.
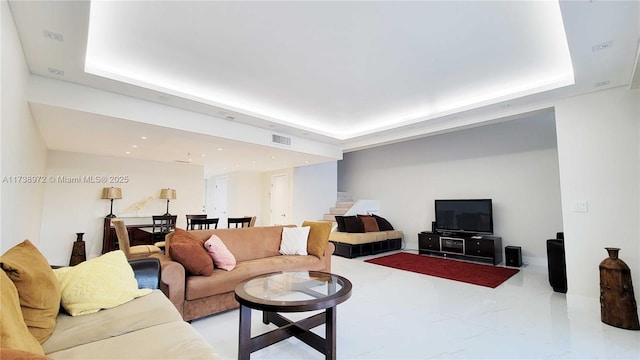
[35, 323]
[256, 250]
[148, 327]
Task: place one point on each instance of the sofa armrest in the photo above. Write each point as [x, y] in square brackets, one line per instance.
[147, 272]
[172, 281]
[328, 251]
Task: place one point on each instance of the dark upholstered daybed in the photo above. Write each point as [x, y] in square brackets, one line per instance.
[363, 235]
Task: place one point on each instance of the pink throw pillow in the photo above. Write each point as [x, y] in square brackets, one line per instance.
[222, 257]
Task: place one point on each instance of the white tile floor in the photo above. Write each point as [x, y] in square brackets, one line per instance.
[394, 314]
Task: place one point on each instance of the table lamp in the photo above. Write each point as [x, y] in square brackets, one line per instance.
[111, 193]
[169, 194]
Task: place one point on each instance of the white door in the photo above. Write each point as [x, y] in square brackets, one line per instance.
[205, 196]
[279, 199]
[220, 200]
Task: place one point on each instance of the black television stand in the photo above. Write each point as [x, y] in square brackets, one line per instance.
[481, 248]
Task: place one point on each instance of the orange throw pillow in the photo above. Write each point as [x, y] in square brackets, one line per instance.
[370, 223]
[190, 252]
[14, 354]
[37, 286]
[318, 237]
[13, 330]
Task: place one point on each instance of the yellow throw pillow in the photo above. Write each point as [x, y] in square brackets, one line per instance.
[13, 330]
[38, 289]
[99, 283]
[13, 354]
[318, 237]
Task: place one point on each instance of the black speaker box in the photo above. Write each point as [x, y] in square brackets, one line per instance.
[513, 256]
[557, 265]
[433, 227]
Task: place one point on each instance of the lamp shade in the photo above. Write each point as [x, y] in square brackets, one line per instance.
[169, 194]
[111, 193]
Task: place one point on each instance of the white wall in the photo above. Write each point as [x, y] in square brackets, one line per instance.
[76, 207]
[243, 195]
[598, 148]
[312, 191]
[23, 149]
[515, 163]
[315, 190]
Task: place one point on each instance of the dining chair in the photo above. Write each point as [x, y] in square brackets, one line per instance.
[204, 224]
[132, 252]
[162, 225]
[197, 216]
[238, 222]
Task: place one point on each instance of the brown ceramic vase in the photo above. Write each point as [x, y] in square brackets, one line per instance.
[617, 301]
[78, 253]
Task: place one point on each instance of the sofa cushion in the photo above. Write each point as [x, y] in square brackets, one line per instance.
[142, 312]
[222, 257]
[190, 252]
[358, 238]
[318, 237]
[369, 222]
[171, 340]
[353, 224]
[383, 224]
[99, 283]
[249, 243]
[221, 281]
[394, 234]
[37, 287]
[294, 240]
[13, 330]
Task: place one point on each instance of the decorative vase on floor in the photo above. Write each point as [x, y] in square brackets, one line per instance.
[617, 301]
[78, 253]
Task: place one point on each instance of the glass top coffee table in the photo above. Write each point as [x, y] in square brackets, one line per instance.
[291, 292]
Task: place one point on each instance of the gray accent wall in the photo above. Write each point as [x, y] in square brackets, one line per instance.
[515, 163]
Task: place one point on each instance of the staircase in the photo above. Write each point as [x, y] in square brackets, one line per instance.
[343, 204]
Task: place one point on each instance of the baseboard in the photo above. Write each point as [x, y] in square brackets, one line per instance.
[534, 260]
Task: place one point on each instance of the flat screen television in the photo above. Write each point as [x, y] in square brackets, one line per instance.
[471, 216]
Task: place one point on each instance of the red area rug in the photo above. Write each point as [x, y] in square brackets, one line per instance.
[477, 274]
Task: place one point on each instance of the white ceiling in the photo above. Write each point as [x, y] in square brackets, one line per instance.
[349, 74]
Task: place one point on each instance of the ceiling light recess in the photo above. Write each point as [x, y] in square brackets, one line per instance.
[602, 46]
[53, 36]
[55, 72]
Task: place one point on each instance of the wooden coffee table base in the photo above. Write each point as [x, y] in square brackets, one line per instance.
[286, 329]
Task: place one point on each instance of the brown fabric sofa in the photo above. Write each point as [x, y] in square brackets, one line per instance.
[256, 250]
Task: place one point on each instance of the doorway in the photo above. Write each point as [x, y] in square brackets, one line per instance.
[279, 199]
[220, 199]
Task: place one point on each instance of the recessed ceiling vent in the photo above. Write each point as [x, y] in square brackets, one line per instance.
[280, 140]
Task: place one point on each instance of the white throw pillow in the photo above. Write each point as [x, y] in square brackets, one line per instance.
[294, 240]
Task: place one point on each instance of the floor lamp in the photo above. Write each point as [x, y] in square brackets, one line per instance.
[169, 194]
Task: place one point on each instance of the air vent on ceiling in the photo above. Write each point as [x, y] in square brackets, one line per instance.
[281, 140]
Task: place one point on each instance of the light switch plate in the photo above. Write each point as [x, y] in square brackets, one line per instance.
[581, 206]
